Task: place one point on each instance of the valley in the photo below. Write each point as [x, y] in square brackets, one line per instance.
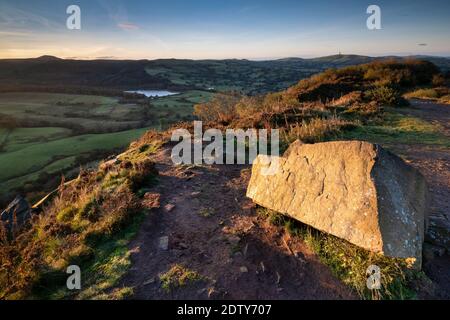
[143, 227]
[86, 110]
[62, 132]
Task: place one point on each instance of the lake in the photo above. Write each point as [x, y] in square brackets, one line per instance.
[153, 93]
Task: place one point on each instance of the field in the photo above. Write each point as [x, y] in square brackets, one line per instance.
[44, 135]
[179, 107]
[57, 155]
[249, 77]
[79, 113]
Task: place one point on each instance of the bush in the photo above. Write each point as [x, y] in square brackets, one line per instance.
[220, 108]
[438, 80]
[383, 95]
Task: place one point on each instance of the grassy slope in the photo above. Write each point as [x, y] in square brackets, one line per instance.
[397, 128]
[18, 163]
[108, 262]
[100, 212]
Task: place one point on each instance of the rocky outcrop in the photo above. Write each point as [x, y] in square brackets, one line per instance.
[16, 214]
[354, 190]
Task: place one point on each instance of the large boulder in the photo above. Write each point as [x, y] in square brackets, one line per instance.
[354, 190]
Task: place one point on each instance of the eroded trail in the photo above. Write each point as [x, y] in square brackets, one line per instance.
[434, 163]
[213, 229]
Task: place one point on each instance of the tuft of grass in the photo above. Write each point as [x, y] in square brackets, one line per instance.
[423, 94]
[349, 263]
[383, 95]
[178, 276]
[445, 99]
[439, 94]
[206, 212]
[315, 130]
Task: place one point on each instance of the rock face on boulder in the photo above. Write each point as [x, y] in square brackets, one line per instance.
[354, 190]
[16, 214]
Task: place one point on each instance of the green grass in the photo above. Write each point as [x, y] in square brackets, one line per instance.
[109, 262]
[86, 113]
[178, 276]
[399, 129]
[349, 263]
[206, 212]
[247, 76]
[178, 107]
[61, 127]
[38, 156]
[52, 98]
[20, 138]
[57, 167]
[188, 98]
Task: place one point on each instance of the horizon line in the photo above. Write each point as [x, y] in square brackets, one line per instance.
[447, 56]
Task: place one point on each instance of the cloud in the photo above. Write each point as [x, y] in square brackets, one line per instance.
[13, 18]
[128, 26]
[422, 44]
[14, 34]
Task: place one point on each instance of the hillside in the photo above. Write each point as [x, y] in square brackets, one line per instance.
[244, 75]
[142, 227]
[48, 103]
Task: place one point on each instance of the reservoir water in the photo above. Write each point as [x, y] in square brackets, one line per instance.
[153, 93]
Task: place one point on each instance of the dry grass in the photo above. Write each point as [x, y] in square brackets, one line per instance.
[423, 94]
[316, 130]
[440, 94]
[445, 99]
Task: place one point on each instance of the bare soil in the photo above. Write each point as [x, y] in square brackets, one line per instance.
[214, 230]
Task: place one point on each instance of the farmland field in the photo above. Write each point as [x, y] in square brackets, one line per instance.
[179, 107]
[44, 135]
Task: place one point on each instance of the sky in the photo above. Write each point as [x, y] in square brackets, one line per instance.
[213, 29]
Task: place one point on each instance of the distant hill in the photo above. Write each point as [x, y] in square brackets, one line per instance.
[243, 75]
[48, 58]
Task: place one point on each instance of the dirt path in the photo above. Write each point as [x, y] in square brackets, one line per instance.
[214, 230]
[434, 163]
